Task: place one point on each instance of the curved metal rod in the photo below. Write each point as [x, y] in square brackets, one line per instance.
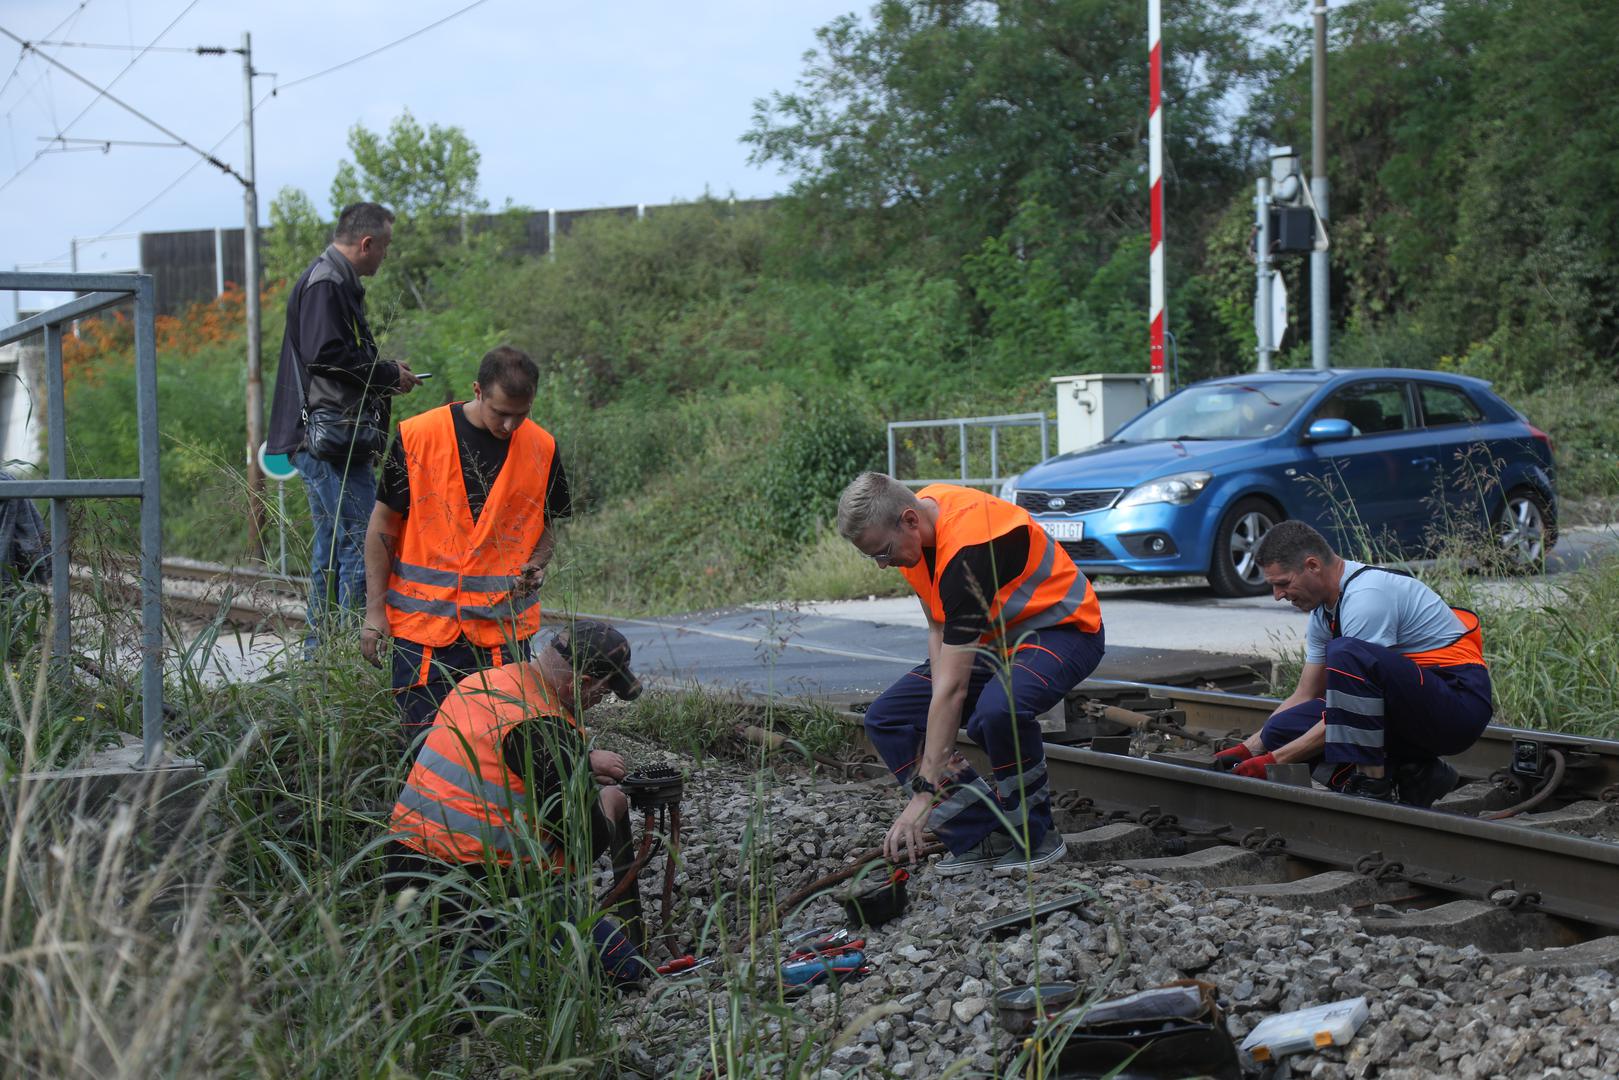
[820, 884]
[642, 857]
[1552, 784]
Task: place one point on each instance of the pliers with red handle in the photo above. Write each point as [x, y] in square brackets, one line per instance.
[828, 946]
[682, 964]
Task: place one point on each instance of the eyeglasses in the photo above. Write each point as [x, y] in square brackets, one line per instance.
[884, 557]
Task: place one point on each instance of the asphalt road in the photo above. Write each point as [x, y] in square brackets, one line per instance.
[1175, 632]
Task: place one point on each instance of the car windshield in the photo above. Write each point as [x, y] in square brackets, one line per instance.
[1220, 411]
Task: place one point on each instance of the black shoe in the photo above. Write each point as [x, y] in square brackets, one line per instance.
[1332, 775]
[1423, 783]
[1362, 786]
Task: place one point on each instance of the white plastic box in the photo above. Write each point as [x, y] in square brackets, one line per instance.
[1306, 1029]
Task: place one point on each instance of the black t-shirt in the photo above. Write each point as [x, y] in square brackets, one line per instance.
[971, 579]
[482, 456]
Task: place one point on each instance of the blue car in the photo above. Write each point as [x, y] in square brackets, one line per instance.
[1379, 459]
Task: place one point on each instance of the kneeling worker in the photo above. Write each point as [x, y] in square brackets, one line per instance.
[1012, 627]
[489, 784]
[1393, 676]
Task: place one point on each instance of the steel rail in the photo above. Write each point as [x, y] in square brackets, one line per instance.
[1569, 876]
[1213, 712]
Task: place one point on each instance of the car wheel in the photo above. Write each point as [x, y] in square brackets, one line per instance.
[1523, 531]
[1234, 570]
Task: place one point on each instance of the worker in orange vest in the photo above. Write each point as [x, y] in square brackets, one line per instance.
[1012, 627]
[1393, 677]
[460, 537]
[489, 794]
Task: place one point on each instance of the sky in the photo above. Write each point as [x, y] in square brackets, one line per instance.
[571, 105]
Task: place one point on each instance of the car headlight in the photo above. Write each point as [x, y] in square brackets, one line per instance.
[1178, 490]
[1009, 488]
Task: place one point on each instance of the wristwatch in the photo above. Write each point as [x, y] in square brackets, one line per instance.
[921, 786]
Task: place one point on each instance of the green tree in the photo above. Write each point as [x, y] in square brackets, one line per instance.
[1473, 156]
[296, 235]
[429, 178]
[931, 124]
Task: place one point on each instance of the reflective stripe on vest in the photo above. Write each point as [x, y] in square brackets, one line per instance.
[1468, 648]
[452, 576]
[1047, 591]
[461, 803]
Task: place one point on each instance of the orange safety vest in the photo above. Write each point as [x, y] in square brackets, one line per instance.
[460, 803]
[1048, 591]
[452, 577]
[1468, 648]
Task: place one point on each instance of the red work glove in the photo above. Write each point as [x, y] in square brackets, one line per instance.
[1255, 766]
[1229, 757]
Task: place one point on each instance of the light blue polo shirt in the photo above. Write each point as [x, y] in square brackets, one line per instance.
[1392, 610]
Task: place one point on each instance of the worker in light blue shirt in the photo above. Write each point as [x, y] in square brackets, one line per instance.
[1393, 677]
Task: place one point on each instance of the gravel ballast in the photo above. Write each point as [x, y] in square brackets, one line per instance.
[752, 838]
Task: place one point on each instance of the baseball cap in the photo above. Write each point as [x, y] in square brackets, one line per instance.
[597, 650]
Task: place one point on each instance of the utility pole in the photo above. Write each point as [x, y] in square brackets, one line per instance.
[1320, 310]
[1262, 297]
[250, 252]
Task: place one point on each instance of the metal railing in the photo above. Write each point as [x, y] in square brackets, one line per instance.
[97, 292]
[961, 424]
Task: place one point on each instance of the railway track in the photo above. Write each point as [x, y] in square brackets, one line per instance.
[1139, 754]
[1516, 760]
[246, 596]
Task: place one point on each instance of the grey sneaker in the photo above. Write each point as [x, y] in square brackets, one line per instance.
[1051, 848]
[981, 855]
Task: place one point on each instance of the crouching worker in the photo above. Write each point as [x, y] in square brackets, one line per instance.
[1012, 627]
[1393, 676]
[490, 794]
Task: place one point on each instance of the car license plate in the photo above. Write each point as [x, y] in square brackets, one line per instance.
[1065, 530]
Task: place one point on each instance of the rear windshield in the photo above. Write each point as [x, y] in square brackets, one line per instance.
[1220, 411]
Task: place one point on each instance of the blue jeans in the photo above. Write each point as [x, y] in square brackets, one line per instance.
[1001, 711]
[340, 502]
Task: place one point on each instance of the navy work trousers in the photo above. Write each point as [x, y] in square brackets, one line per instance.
[1382, 707]
[1002, 708]
[423, 676]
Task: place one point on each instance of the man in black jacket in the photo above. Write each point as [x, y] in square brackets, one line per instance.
[329, 361]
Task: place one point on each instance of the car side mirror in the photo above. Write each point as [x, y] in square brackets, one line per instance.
[1330, 430]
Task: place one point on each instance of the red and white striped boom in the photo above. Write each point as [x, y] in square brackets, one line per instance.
[1155, 158]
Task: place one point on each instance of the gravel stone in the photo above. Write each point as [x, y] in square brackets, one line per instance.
[1436, 1010]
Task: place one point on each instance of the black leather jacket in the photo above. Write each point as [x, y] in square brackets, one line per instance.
[329, 343]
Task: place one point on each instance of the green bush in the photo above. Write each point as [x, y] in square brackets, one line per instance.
[825, 442]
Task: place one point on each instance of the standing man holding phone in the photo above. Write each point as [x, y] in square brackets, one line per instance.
[460, 536]
[331, 407]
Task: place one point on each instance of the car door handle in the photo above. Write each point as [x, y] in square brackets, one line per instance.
[1424, 462]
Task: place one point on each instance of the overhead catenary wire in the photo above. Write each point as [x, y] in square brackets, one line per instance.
[104, 92]
[171, 185]
[23, 53]
[382, 48]
[202, 50]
